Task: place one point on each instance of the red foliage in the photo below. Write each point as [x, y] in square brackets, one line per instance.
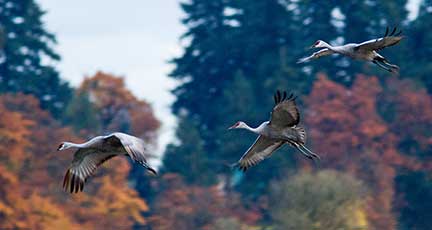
[411, 110]
[351, 136]
[182, 207]
[31, 171]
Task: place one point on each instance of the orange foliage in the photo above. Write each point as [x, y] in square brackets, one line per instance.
[351, 136]
[14, 129]
[31, 172]
[183, 207]
[118, 107]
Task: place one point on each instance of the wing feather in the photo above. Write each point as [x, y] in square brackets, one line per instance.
[83, 165]
[285, 112]
[380, 43]
[135, 148]
[316, 55]
[261, 149]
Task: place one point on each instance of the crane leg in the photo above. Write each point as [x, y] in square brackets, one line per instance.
[302, 151]
[390, 65]
[311, 153]
[379, 64]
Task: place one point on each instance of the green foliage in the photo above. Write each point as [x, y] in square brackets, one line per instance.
[420, 43]
[240, 52]
[236, 59]
[364, 20]
[417, 190]
[81, 114]
[26, 50]
[325, 200]
[189, 158]
[227, 224]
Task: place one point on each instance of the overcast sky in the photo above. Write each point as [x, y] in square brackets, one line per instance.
[129, 38]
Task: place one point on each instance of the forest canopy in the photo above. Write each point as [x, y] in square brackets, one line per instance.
[372, 129]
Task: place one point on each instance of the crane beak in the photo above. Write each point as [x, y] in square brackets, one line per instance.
[312, 47]
[232, 127]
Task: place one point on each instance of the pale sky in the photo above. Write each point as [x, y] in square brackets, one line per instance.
[129, 38]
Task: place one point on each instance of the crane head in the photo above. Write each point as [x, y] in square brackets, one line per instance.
[318, 44]
[238, 125]
[61, 146]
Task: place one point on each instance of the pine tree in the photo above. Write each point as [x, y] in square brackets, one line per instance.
[416, 187]
[420, 46]
[236, 56]
[189, 158]
[205, 68]
[27, 56]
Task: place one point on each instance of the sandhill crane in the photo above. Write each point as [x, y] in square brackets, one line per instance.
[91, 154]
[366, 51]
[281, 129]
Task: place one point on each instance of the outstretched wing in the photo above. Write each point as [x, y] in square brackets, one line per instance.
[134, 147]
[378, 44]
[83, 165]
[316, 55]
[285, 112]
[262, 148]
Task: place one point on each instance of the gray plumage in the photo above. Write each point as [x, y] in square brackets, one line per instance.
[91, 154]
[366, 51]
[281, 129]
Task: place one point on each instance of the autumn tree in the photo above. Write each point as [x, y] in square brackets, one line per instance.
[21, 205]
[407, 107]
[181, 206]
[34, 171]
[354, 138]
[113, 107]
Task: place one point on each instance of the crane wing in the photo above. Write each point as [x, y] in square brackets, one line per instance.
[262, 148]
[285, 112]
[378, 44]
[134, 147]
[84, 164]
[316, 55]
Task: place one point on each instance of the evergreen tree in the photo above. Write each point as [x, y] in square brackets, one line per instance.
[313, 20]
[27, 56]
[240, 52]
[364, 20]
[236, 59]
[420, 46]
[417, 188]
[189, 158]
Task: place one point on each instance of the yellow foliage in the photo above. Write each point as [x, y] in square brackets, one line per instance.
[31, 172]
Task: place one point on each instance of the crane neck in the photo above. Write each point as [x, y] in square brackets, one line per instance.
[67, 145]
[257, 130]
[254, 130]
[326, 45]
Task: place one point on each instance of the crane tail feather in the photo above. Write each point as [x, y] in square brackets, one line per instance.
[393, 32]
[386, 33]
[399, 33]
